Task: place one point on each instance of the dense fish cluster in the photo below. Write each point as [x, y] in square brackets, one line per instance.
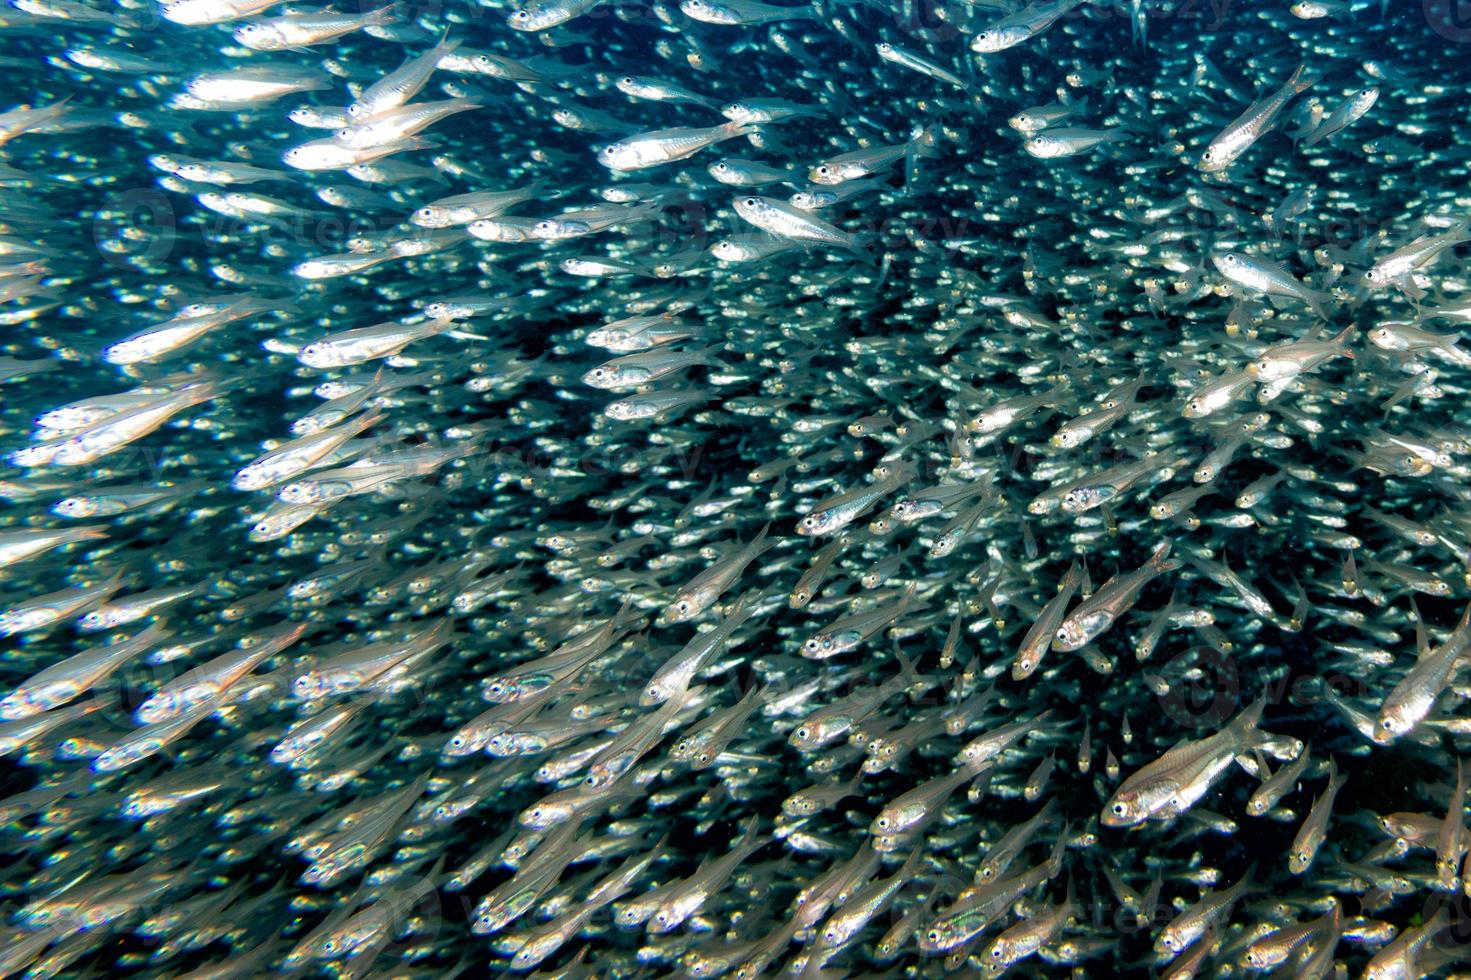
[734, 488]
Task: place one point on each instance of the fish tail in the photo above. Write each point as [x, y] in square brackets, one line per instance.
[384, 15]
[748, 841]
[707, 356]
[1161, 558]
[760, 544]
[1054, 860]
[1246, 884]
[1301, 79]
[1317, 302]
[924, 143]
[866, 247]
[1247, 721]
[911, 676]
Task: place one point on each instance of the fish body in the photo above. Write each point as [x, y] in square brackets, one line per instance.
[1244, 131]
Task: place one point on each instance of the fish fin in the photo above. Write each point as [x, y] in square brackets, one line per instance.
[1162, 553]
[1422, 641]
[1251, 715]
[1054, 860]
[385, 15]
[760, 542]
[1301, 79]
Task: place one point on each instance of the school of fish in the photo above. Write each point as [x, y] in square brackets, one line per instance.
[735, 488]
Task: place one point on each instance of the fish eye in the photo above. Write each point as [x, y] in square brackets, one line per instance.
[626, 80]
[804, 732]
[885, 46]
[933, 935]
[521, 16]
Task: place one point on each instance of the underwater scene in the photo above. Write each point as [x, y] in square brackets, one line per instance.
[735, 488]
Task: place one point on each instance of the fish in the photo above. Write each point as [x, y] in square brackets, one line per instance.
[1269, 277]
[1258, 118]
[1411, 699]
[1353, 108]
[1314, 829]
[659, 147]
[789, 222]
[914, 62]
[737, 13]
[1167, 787]
[1098, 612]
[1021, 26]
